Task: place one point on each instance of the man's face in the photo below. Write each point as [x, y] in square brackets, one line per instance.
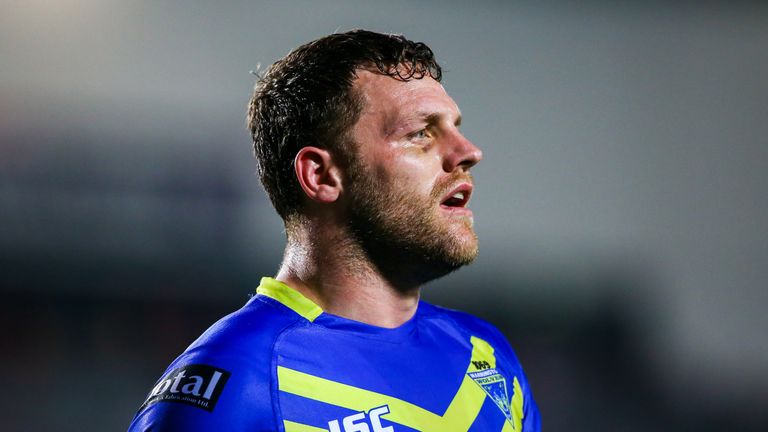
[409, 183]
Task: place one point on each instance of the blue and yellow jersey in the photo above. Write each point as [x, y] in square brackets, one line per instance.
[282, 364]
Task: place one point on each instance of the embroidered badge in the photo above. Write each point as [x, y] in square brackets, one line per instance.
[495, 386]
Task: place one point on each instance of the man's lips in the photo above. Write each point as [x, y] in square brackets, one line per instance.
[455, 201]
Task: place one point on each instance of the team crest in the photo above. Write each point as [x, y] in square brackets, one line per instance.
[495, 386]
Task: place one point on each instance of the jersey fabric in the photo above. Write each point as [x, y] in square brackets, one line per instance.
[282, 364]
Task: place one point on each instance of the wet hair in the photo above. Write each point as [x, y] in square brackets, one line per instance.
[306, 99]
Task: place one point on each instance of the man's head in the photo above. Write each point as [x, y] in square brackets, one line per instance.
[371, 107]
[307, 99]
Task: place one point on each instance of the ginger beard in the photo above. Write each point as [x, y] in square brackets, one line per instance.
[406, 234]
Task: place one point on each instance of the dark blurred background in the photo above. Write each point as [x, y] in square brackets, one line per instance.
[621, 205]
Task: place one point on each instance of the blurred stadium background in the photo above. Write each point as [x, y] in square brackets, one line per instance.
[621, 205]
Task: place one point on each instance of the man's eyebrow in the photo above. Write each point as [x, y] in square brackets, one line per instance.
[433, 118]
[428, 117]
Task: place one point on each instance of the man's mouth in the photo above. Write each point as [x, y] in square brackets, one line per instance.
[456, 200]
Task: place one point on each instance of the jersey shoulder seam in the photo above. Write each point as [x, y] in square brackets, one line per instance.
[274, 386]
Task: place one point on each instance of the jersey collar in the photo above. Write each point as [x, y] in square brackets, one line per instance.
[289, 297]
[305, 307]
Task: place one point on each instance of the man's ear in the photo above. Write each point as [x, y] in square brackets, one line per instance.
[318, 174]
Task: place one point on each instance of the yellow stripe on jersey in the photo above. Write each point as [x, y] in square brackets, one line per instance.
[481, 351]
[289, 297]
[356, 399]
[517, 406]
[458, 417]
[517, 410]
[468, 401]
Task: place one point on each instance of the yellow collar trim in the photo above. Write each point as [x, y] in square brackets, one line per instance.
[289, 297]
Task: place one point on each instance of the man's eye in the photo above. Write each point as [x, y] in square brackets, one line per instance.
[419, 134]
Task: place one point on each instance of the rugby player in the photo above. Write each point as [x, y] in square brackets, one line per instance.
[359, 149]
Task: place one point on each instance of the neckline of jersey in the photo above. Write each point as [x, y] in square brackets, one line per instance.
[294, 300]
[289, 298]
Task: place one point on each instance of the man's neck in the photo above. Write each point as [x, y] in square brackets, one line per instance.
[339, 278]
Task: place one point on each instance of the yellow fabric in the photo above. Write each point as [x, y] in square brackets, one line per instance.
[298, 427]
[291, 298]
[481, 351]
[517, 406]
[356, 399]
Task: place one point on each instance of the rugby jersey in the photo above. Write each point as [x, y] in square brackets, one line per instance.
[282, 364]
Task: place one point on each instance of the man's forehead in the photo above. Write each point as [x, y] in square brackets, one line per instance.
[392, 97]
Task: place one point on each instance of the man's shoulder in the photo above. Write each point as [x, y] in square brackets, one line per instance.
[222, 380]
[251, 329]
[462, 320]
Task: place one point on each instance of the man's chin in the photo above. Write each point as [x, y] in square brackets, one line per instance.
[463, 251]
[466, 257]
[424, 262]
[447, 263]
[465, 245]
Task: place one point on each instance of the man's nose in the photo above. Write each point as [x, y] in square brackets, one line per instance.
[460, 153]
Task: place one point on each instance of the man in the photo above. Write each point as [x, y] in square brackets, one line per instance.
[359, 149]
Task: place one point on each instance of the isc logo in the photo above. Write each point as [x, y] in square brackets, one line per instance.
[357, 423]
